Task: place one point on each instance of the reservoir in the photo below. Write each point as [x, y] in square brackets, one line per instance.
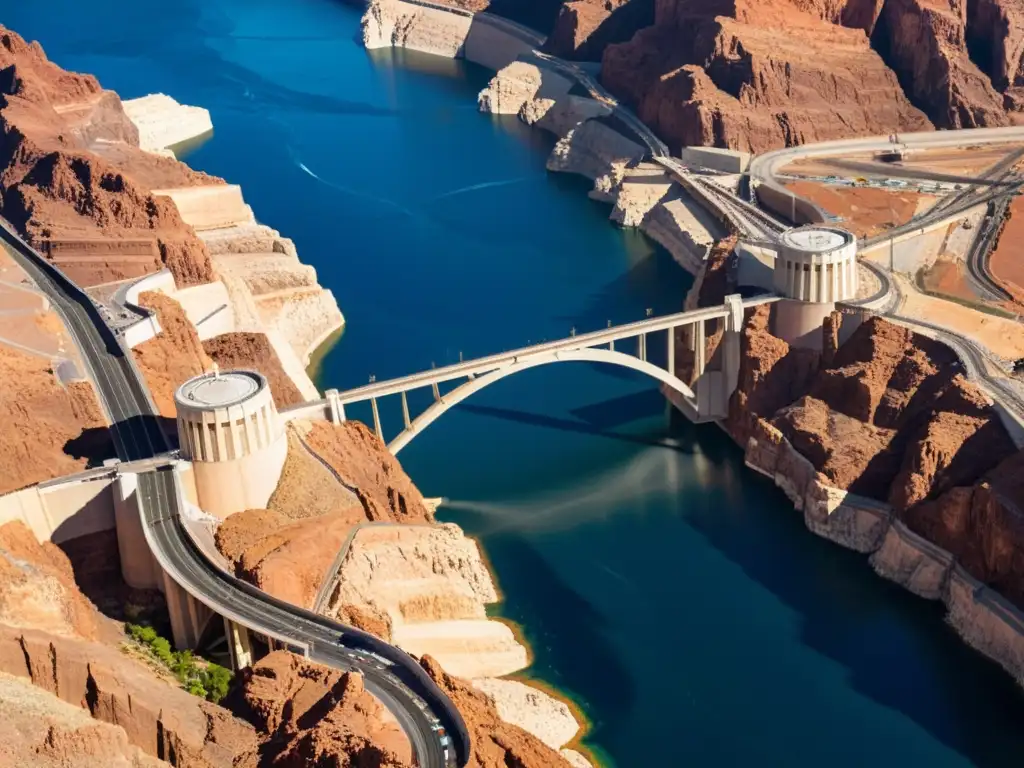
[675, 596]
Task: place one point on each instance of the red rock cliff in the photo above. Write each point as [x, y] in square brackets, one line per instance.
[756, 76]
[73, 193]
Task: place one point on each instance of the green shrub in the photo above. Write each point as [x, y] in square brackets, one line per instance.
[211, 681]
[216, 679]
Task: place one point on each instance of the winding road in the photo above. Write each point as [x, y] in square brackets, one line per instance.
[394, 677]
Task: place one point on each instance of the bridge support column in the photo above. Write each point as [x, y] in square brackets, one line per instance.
[189, 617]
[700, 348]
[671, 352]
[642, 344]
[405, 411]
[138, 566]
[337, 409]
[731, 342]
[376, 419]
[238, 645]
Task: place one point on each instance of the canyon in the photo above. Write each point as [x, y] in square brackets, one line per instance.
[755, 76]
[887, 449]
[424, 586]
[105, 199]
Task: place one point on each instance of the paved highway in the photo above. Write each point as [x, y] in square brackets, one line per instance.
[983, 282]
[396, 678]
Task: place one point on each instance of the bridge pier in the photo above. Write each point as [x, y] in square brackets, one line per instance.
[671, 352]
[189, 617]
[239, 645]
[337, 410]
[376, 419]
[732, 352]
[700, 350]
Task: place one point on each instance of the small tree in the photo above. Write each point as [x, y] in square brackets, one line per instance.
[216, 680]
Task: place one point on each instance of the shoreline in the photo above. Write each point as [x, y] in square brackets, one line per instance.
[540, 97]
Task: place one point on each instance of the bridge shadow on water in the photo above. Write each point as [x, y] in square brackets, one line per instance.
[599, 419]
[868, 625]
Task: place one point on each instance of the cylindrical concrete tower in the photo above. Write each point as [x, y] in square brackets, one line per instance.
[816, 266]
[229, 429]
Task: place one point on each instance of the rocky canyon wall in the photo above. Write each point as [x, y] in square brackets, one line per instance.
[417, 584]
[77, 184]
[886, 449]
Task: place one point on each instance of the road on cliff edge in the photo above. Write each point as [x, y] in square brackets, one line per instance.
[137, 435]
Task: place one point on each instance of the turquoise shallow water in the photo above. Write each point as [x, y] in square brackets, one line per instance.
[671, 593]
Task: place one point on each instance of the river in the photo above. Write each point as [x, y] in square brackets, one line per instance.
[674, 595]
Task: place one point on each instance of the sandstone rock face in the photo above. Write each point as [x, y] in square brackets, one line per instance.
[49, 429]
[176, 355]
[41, 731]
[753, 77]
[585, 27]
[75, 182]
[318, 716]
[771, 376]
[913, 562]
[928, 49]
[982, 526]
[370, 471]
[592, 150]
[273, 293]
[157, 717]
[253, 351]
[496, 743]
[38, 590]
[429, 586]
[173, 356]
[532, 710]
[387, 23]
[995, 31]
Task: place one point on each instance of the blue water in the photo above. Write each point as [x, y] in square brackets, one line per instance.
[676, 597]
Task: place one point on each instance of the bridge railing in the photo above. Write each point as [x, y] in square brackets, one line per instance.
[579, 341]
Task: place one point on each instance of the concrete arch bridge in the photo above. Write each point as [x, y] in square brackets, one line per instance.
[707, 400]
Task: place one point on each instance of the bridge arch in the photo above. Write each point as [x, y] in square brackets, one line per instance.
[474, 385]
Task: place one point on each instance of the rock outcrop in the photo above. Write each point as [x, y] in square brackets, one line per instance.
[585, 27]
[496, 743]
[173, 356]
[49, 429]
[176, 354]
[318, 716]
[38, 590]
[755, 76]
[253, 351]
[75, 182]
[892, 419]
[40, 730]
[982, 526]
[927, 47]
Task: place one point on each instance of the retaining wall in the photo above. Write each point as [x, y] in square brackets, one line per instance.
[75, 506]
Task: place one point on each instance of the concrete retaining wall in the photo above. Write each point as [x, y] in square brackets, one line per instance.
[76, 506]
[147, 326]
[789, 206]
[208, 308]
[493, 46]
